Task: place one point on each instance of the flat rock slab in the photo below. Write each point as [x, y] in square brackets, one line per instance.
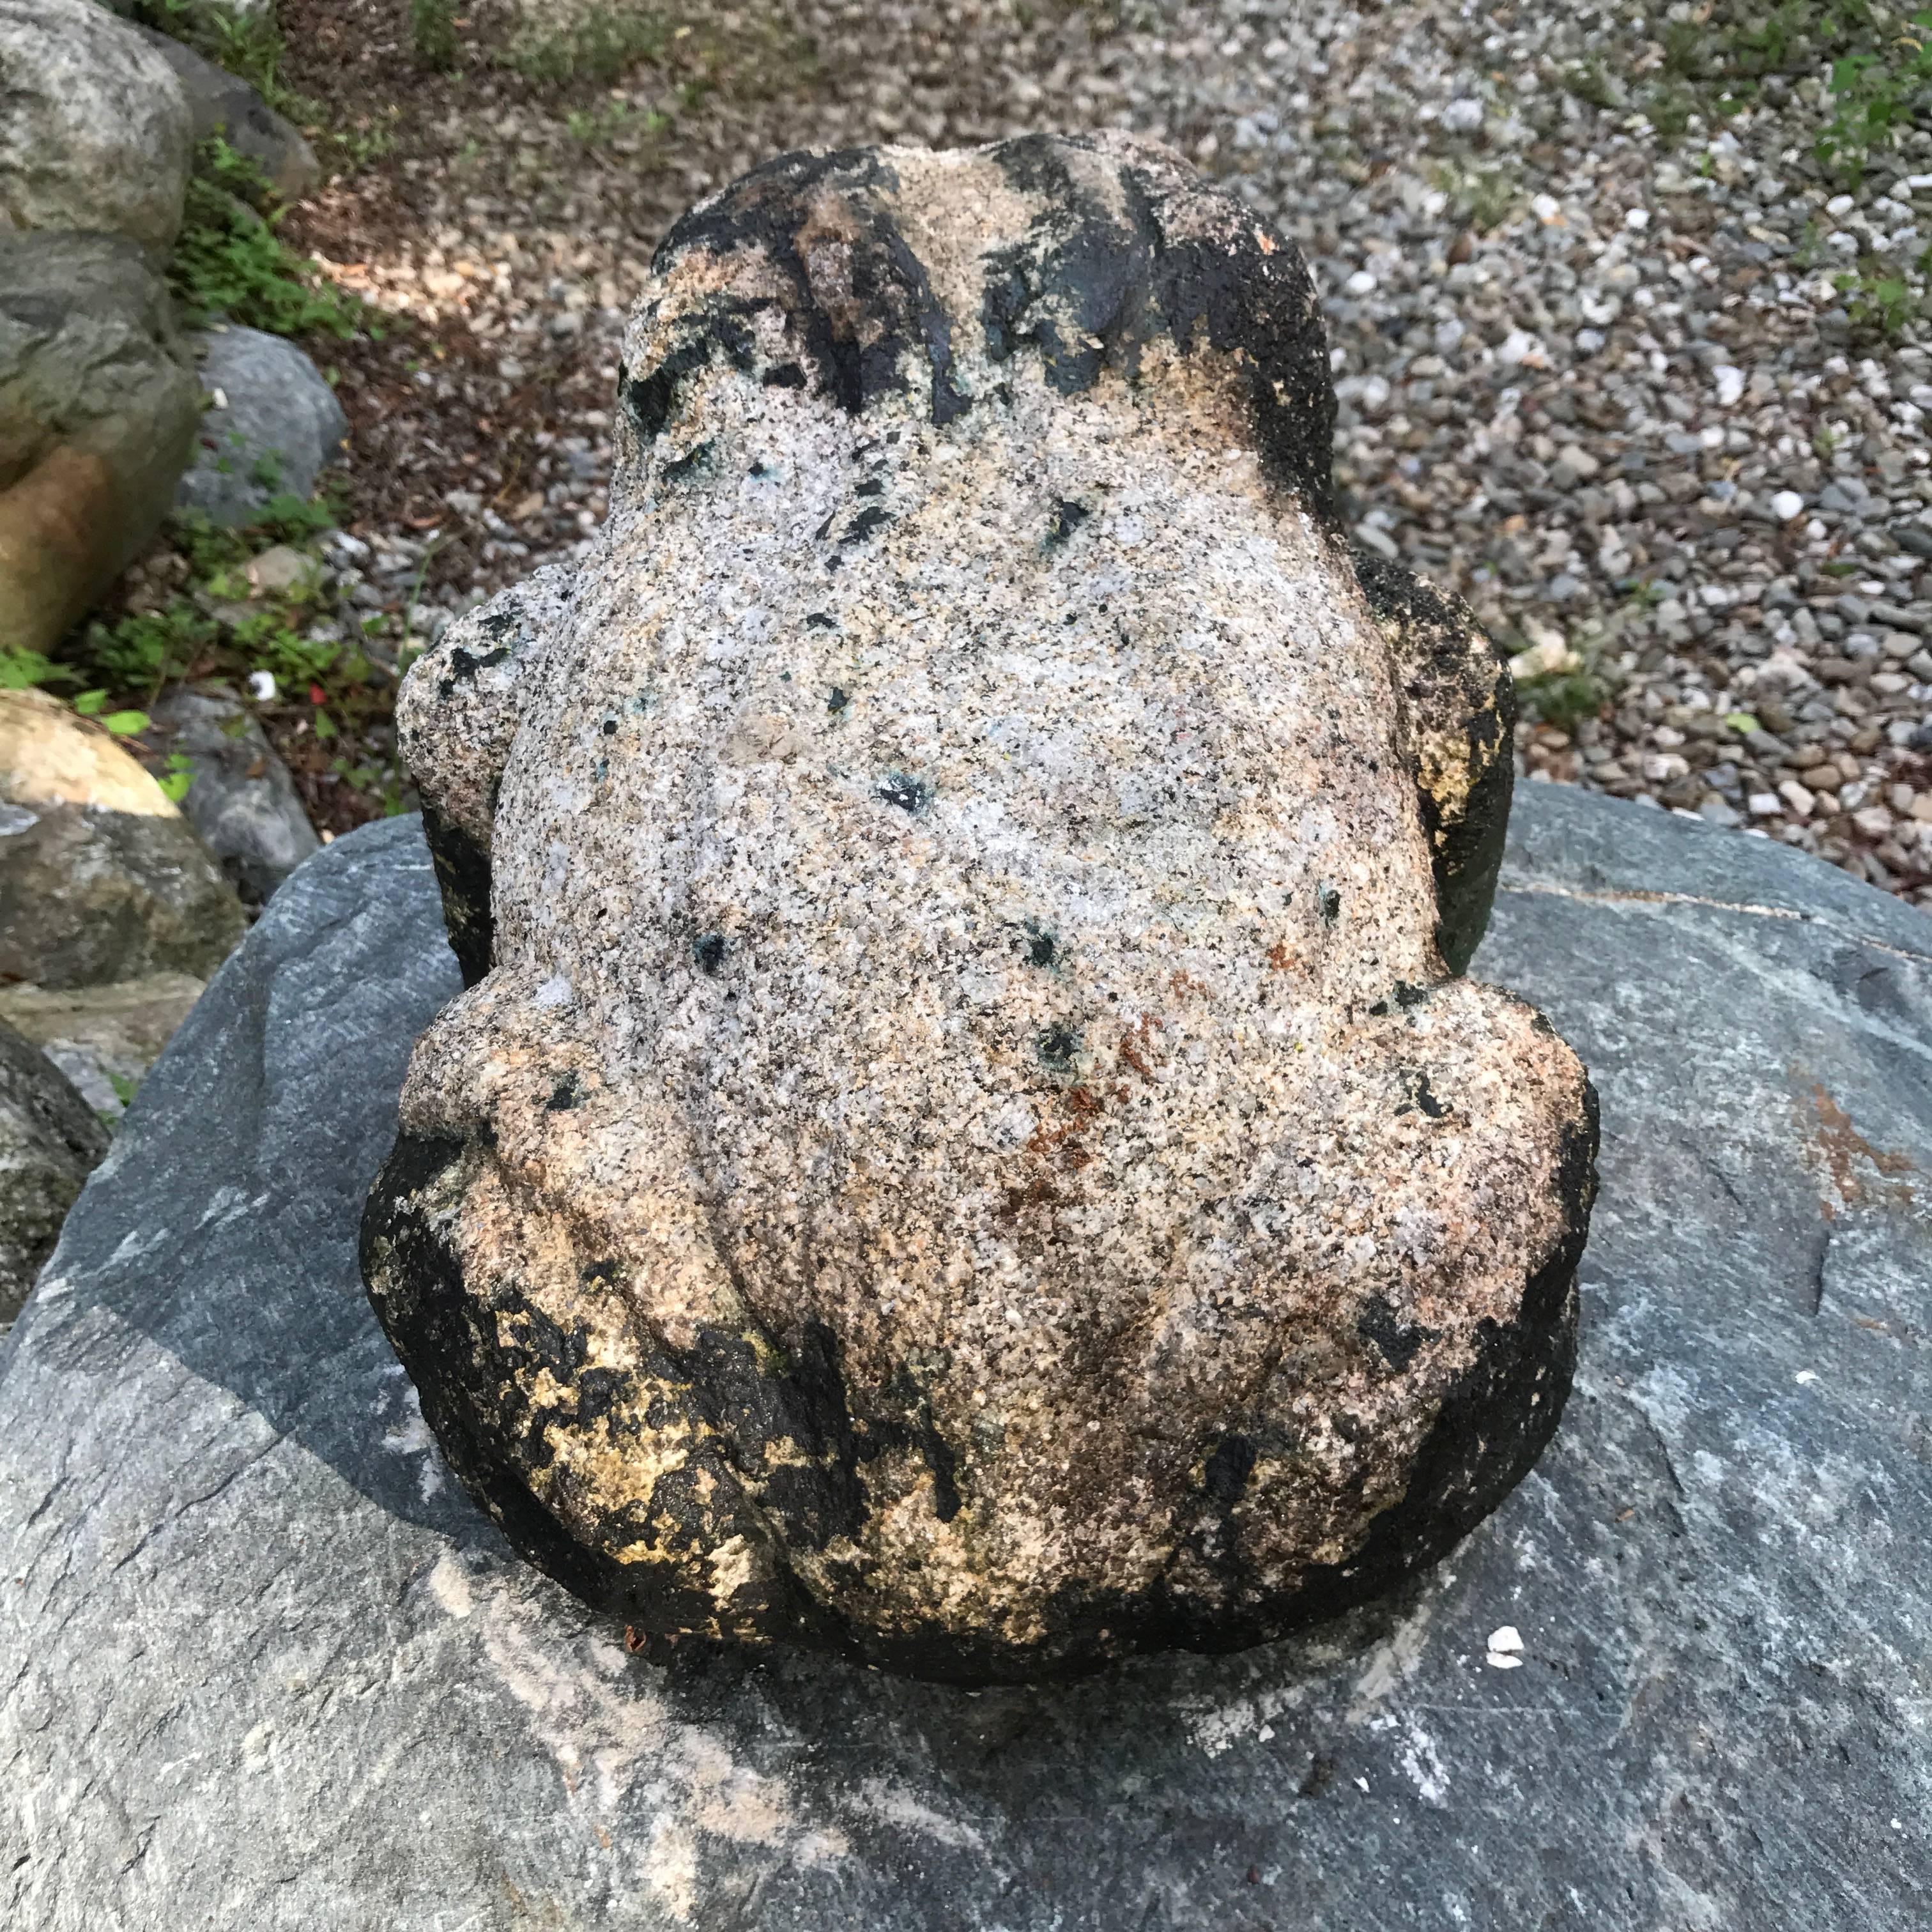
[269, 1668]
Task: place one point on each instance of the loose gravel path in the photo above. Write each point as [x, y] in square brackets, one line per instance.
[1604, 385]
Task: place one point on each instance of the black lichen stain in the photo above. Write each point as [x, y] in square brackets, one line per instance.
[1057, 1045]
[837, 698]
[908, 794]
[1402, 998]
[564, 1096]
[462, 877]
[1421, 1094]
[901, 1416]
[785, 376]
[1103, 269]
[1456, 682]
[1328, 902]
[1099, 275]
[1228, 1469]
[1040, 947]
[795, 1405]
[871, 487]
[1067, 518]
[676, 472]
[818, 620]
[865, 523]
[708, 949]
[462, 663]
[1399, 1342]
[853, 346]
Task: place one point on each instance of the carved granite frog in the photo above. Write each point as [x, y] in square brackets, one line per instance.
[964, 1144]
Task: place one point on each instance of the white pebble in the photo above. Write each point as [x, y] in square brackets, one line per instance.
[1505, 1648]
[1361, 283]
[261, 686]
[1637, 218]
[1786, 504]
[1730, 383]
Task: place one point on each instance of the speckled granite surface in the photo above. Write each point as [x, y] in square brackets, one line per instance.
[967, 1153]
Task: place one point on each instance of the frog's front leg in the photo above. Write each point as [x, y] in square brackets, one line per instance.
[1459, 704]
[456, 719]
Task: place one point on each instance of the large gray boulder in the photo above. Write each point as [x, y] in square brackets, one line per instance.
[98, 405]
[274, 424]
[221, 103]
[241, 800]
[269, 1665]
[96, 133]
[49, 1142]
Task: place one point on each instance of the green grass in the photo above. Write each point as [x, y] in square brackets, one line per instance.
[1875, 61]
[597, 45]
[228, 260]
[1484, 198]
[1877, 301]
[1879, 93]
[433, 33]
[1564, 699]
[250, 48]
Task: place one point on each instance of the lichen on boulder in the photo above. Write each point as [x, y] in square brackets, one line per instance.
[963, 1145]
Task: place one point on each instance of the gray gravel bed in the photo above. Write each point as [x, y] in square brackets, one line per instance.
[1605, 386]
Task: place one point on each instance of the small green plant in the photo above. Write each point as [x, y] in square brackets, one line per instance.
[1563, 698]
[615, 120]
[175, 776]
[1588, 81]
[1880, 303]
[123, 724]
[1484, 198]
[1877, 90]
[228, 260]
[248, 45]
[23, 669]
[433, 33]
[1669, 110]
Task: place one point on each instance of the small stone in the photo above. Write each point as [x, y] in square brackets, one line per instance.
[50, 1141]
[101, 878]
[279, 425]
[240, 798]
[1763, 805]
[1798, 797]
[1874, 821]
[1730, 384]
[1786, 504]
[276, 571]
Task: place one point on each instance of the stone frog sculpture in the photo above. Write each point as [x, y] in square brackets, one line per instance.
[964, 1145]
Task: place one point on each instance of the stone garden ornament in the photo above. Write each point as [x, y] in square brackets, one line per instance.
[964, 1145]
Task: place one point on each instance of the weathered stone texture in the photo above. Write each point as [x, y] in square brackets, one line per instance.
[967, 1151]
[267, 1666]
